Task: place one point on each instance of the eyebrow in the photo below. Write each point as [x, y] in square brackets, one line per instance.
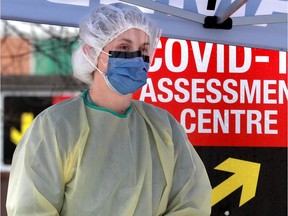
[130, 41]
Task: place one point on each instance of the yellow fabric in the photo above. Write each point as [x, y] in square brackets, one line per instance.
[80, 160]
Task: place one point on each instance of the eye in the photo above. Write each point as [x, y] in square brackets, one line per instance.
[123, 47]
[144, 50]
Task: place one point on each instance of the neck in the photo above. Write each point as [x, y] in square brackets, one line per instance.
[103, 96]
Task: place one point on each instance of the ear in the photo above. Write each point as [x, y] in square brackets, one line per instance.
[86, 48]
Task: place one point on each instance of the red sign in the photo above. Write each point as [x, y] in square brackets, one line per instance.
[58, 98]
[223, 95]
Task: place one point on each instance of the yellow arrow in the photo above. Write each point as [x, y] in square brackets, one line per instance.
[246, 175]
[25, 122]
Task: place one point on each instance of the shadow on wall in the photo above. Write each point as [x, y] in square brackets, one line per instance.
[4, 186]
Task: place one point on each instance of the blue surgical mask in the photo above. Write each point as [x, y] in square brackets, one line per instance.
[126, 71]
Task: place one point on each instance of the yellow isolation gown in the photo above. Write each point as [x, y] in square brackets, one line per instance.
[79, 159]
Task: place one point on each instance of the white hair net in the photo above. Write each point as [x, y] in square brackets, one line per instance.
[103, 25]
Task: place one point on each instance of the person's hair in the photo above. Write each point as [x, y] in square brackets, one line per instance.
[103, 25]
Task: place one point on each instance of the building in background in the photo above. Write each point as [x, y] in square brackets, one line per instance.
[34, 49]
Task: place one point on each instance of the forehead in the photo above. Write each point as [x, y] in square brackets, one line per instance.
[134, 36]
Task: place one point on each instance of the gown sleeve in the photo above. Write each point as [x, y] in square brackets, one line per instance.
[36, 185]
[191, 190]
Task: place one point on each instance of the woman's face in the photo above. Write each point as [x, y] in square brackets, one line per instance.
[129, 41]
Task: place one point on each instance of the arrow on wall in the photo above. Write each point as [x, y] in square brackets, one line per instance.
[246, 175]
[25, 122]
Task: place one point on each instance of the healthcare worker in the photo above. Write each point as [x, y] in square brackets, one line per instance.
[103, 153]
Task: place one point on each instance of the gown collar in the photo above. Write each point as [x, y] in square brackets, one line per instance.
[89, 102]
